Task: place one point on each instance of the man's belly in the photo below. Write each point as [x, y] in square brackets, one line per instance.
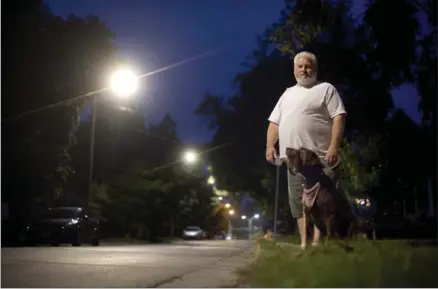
[305, 132]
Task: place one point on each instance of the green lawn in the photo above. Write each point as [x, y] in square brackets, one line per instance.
[364, 264]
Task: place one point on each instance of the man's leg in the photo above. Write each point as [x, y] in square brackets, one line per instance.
[295, 184]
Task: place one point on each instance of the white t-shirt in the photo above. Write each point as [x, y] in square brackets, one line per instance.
[304, 116]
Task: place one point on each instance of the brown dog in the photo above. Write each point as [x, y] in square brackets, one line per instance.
[322, 202]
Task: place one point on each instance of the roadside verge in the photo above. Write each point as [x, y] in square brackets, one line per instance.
[362, 263]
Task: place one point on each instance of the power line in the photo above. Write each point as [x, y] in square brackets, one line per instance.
[165, 68]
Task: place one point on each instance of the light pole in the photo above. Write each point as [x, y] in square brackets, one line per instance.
[230, 226]
[278, 163]
[123, 84]
[244, 217]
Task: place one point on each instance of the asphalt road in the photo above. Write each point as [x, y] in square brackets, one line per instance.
[121, 266]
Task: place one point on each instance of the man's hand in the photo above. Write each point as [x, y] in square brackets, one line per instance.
[332, 156]
[270, 154]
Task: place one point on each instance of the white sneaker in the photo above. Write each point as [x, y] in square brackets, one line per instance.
[315, 244]
[303, 246]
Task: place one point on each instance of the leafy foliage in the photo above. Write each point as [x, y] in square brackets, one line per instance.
[360, 164]
[48, 60]
[155, 197]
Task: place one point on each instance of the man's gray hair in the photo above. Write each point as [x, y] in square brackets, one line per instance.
[310, 56]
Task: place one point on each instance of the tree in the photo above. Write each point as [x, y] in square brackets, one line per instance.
[150, 195]
[240, 124]
[361, 164]
[48, 60]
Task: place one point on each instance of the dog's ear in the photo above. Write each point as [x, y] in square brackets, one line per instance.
[308, 157]
[289, 152]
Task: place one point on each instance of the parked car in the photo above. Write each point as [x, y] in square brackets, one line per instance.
[63, 225]
[193, 232]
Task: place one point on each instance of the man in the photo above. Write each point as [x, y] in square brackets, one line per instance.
[310, 115]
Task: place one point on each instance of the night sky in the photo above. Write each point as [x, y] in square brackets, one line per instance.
[154, 33]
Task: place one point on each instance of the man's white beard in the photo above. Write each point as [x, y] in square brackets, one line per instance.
[306, 81]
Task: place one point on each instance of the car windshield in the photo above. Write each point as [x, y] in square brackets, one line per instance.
[61, 213]
[193, 228]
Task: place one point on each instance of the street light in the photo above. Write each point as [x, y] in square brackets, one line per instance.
[227, 205]
[244, 217]
[211, 180]
[190, 157]
[231, 212]
[122, 83]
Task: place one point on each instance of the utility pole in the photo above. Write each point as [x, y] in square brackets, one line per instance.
[91, 161]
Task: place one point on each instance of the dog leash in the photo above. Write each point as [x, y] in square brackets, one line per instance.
[333, 166]
[336, 164]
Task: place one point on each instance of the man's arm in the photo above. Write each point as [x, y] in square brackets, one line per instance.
[272, 135]
[337, 112]
[337, 131]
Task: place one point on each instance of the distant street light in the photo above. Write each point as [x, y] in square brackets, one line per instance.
[211, 180]
[244, 217]
[190, 157]
[220, 198]
[123, 83]
[231, 212]
[227, 205]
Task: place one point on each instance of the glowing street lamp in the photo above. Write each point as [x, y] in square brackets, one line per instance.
[227, 205]
[190, 157]
[231, 212]
[123, 83]
[211, 180]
